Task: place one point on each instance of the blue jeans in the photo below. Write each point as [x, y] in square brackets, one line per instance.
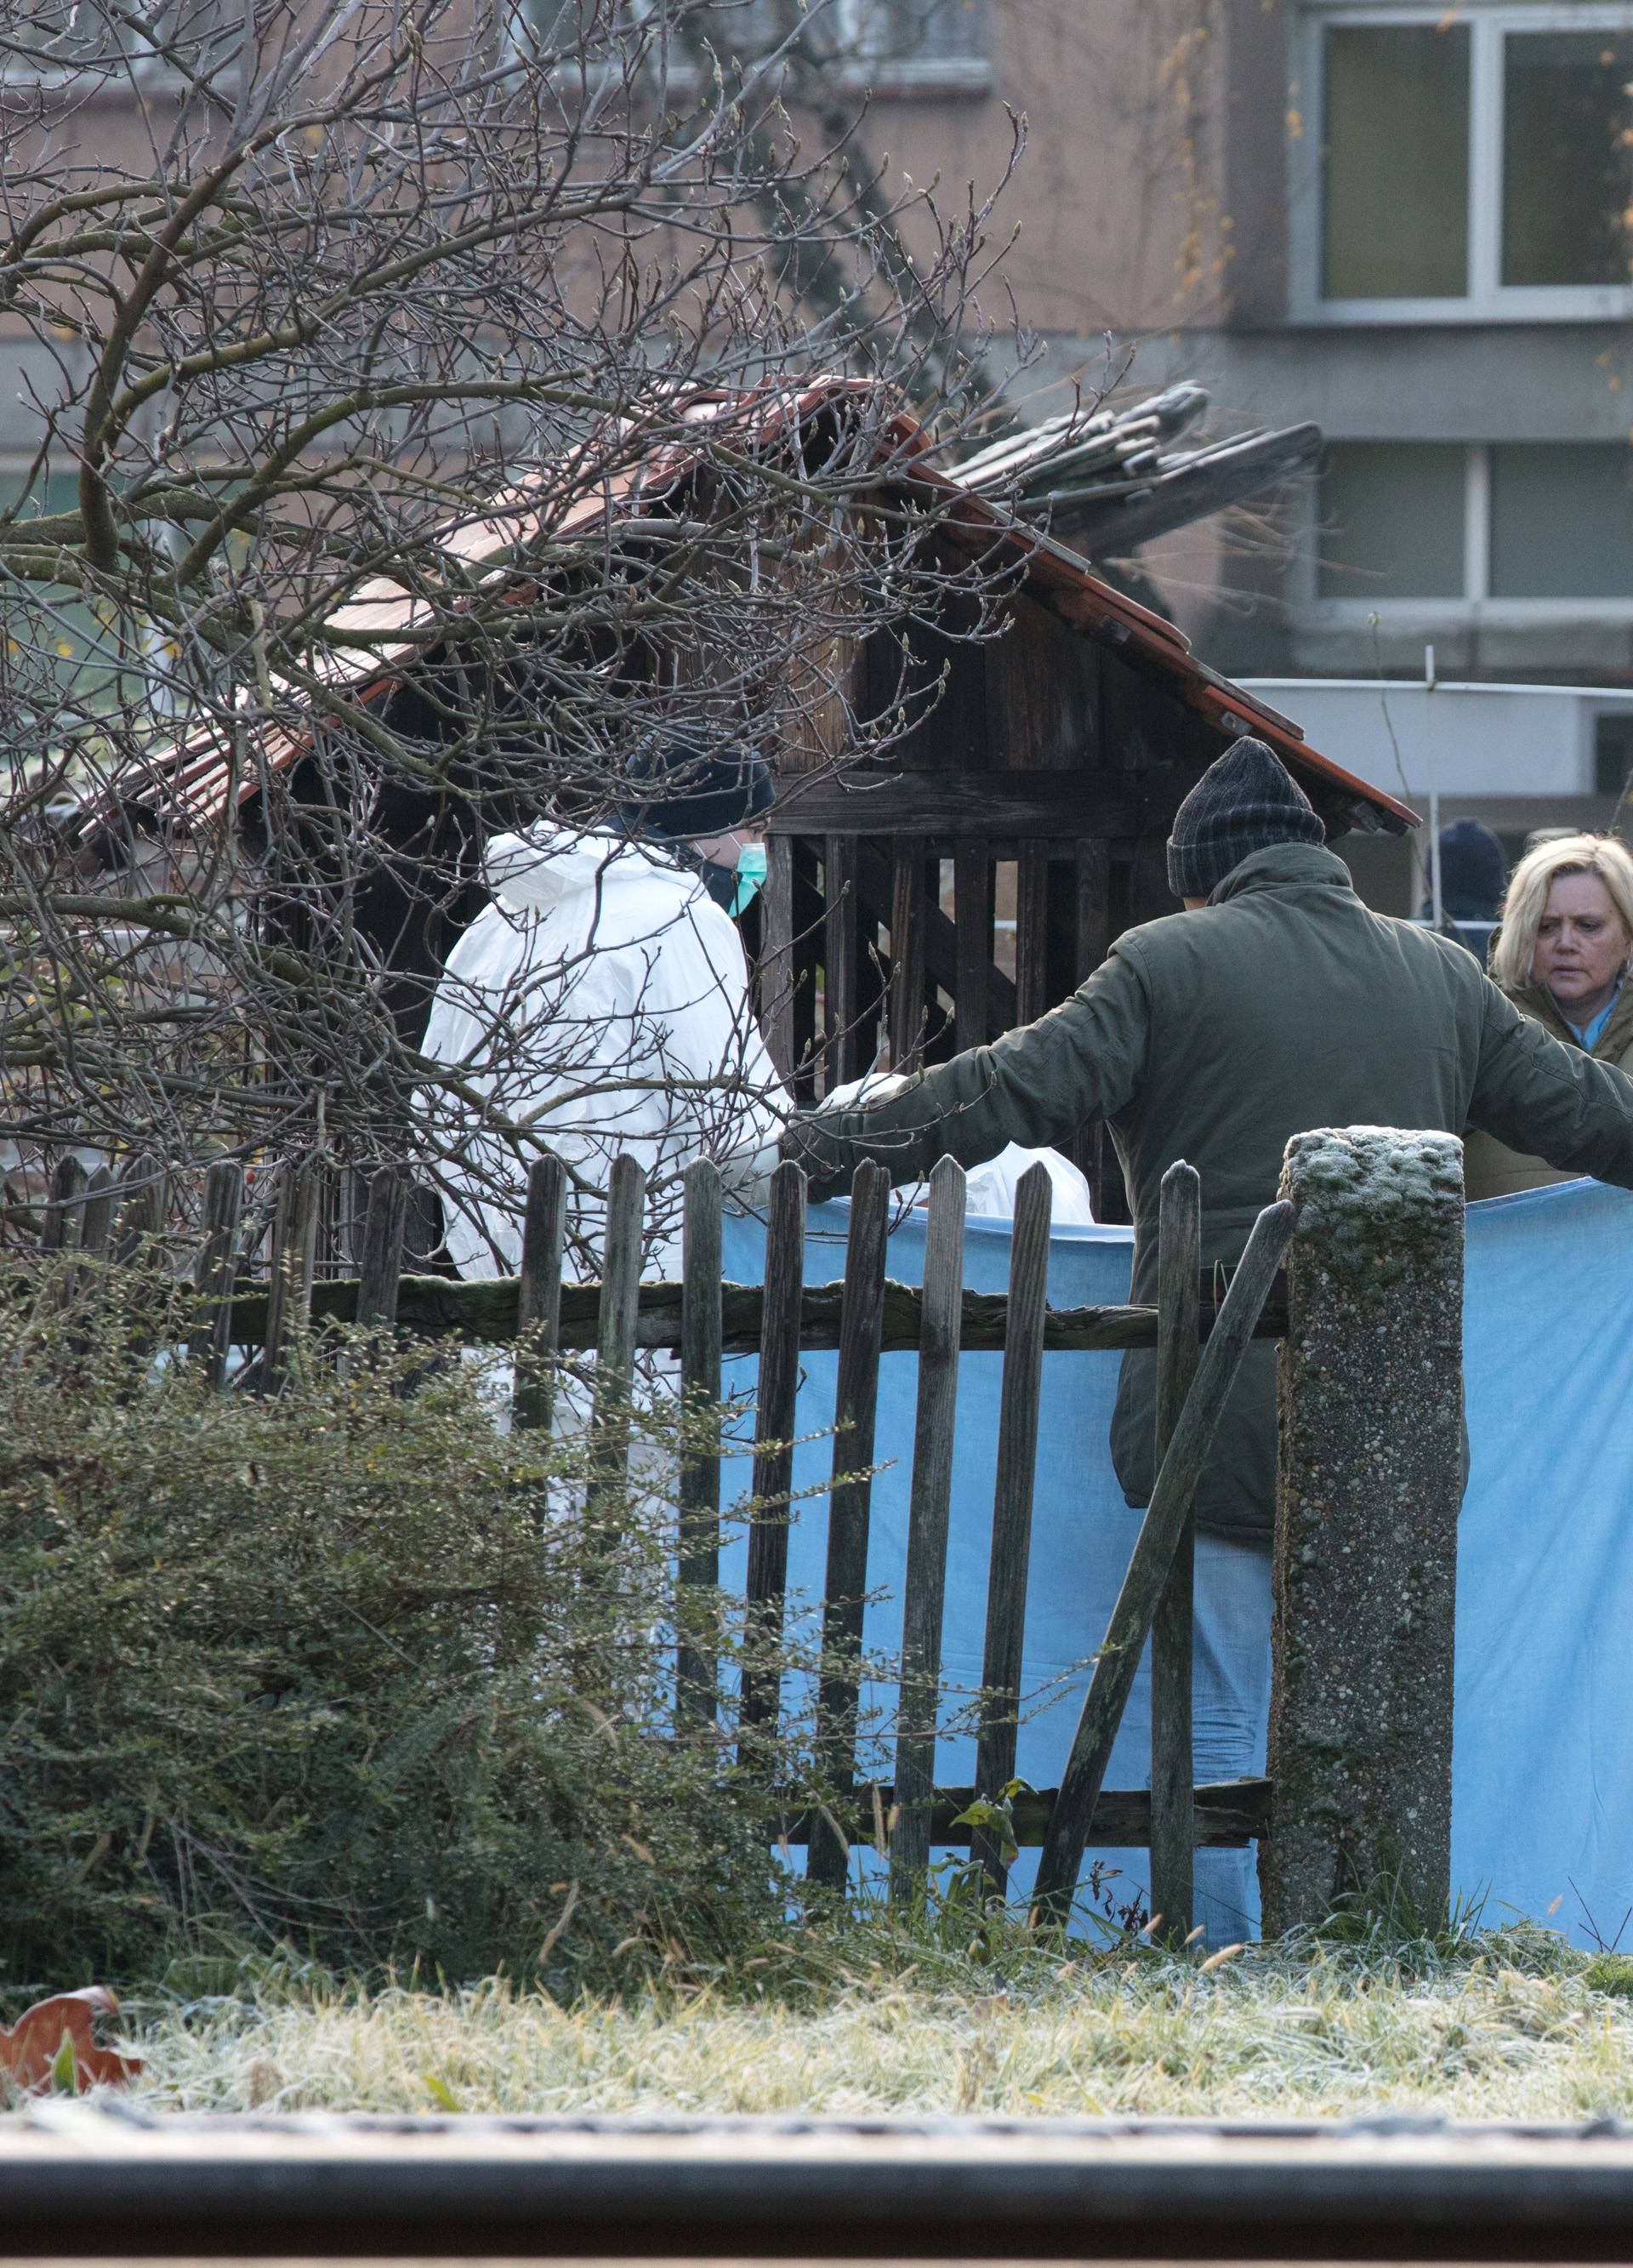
[1230, 1712]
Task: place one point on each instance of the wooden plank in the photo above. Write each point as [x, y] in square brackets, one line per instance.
[615, 1342]
[217, 1268]
[137, 1206]
[907, 956]
[972, 916]
[773, 1469]
[699, 1491]
[986, 806]
[806, 961]
[1179, 1260]
[1042, 692]
[294, 1252]
[929, 1509]
[1032, 933]
[1011, 1506]
[381, 1267]
[1172, 1498]
[1091, 861]
[1229, 1815]
[850, 1500]
[940, 935]
[539, 1294]
[1092, 1150]
[776, 972]
[484, 1312]
[839, 959]
[927, 678]
[97, 1223]
[60, 1230]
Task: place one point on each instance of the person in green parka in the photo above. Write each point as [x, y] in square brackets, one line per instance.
[1561, 955]
[1277, 1003]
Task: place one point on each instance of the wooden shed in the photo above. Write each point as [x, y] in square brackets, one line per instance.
[920, 903]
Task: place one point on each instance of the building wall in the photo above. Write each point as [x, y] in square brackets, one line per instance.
[1172, 197]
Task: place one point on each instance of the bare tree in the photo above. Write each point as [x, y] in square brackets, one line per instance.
[417, 420]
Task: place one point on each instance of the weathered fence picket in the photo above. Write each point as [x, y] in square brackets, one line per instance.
[773, 1471]
[1011, 1510]
[851, 1491]
[538, 1295]
[292, 1265]
[614, 1349]
[924, 1588]
[698, 1557]
[63, 1208]
[381, 1268]
[97, 1223]
[217, 1268]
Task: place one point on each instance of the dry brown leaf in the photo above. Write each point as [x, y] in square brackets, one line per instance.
[31, 2048]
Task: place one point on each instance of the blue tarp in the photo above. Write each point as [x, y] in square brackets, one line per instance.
[1544, 1767]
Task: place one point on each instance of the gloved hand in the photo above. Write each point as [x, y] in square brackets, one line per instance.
[746, 1172]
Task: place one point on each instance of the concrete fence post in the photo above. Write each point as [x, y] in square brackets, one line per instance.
[1370, 1479]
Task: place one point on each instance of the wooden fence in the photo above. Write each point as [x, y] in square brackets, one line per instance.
[1199, 1342]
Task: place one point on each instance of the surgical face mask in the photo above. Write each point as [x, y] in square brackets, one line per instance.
[749, 876]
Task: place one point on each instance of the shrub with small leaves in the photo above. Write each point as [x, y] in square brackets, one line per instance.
[349, 1669]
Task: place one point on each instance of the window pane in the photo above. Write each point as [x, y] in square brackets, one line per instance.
[1392, 521]
[1567, 156]
[1395, 173]
[1562, 520]
[916, 30]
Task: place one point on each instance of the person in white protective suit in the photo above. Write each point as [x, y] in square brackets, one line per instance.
[601, 1003]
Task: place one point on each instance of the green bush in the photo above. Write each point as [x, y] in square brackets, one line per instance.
[346, 1671]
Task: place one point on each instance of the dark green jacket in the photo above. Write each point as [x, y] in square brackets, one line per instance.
[1281, 1005]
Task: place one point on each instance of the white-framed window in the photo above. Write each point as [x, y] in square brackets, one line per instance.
[1519, 531]
[1465, 162]
[942, 43]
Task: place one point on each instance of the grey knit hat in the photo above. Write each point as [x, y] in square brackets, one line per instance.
[1247, 801]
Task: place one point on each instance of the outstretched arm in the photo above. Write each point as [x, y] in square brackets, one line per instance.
[1535, 1094]
[1082, 1062]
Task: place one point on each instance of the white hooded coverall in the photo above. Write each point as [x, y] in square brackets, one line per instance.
[602, 1003]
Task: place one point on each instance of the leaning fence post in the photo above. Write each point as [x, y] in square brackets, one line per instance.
[1370, 1480]
[1174, 1825]
[1173, 1496]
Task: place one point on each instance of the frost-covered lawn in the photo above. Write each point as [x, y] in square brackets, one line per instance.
[1514, 2025]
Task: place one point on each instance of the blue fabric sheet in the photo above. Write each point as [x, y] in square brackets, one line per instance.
[1543, 1765]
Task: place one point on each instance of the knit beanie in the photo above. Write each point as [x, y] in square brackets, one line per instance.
[1245, 801]
[1474, 871]
[691, 782]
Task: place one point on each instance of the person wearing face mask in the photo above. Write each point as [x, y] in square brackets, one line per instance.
[601, 1003]
[1562, 956]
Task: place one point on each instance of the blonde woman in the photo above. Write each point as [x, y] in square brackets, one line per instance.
[1562, 955]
